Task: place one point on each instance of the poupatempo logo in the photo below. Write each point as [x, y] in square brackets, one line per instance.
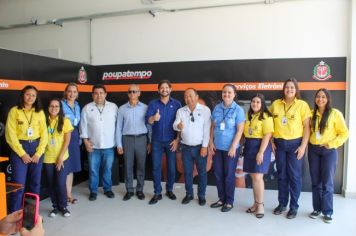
[144, 74]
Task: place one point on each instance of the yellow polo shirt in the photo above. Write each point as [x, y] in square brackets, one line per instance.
[288, 120]
[258, 128]
[335, 133]
[17, 124]
[54, 146]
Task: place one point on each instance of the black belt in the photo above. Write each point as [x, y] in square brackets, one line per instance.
[134, 135]
[191, 146]
[30, 141]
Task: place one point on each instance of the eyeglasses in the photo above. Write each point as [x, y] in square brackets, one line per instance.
[133, 91]
[191, 117]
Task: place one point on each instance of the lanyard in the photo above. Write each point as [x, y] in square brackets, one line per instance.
[286, 112]
[100, 111]
[224, 115]
[70, 108]
[51, 130]
[253, 118]
[28, 120]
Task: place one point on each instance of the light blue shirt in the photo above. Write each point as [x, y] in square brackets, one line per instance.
[73, 114]
[232, 116]
[130, 121]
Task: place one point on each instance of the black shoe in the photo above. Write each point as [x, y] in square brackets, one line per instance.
[226, 208]
[109, 194]
[171, 195]
[314, 214]
[128, 196]
[92, 196]
[292, 213]
[140, 195]
[327, 219]
[279, 209]
[187, 199]
[65, 212]
[53, 213]
[201, 201]
[217, 204]
[155, 199]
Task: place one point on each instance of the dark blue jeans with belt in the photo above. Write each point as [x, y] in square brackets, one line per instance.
[289, 170]
[322, 166]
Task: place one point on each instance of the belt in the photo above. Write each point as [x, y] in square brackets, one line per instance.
[134, 135]
[191, 146]
[30, 141]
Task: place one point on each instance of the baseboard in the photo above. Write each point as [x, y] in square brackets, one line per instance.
[348, 194]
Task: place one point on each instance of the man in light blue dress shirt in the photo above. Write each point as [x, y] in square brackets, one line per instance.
[132, 140]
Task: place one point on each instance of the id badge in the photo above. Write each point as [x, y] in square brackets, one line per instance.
[284, 120]
[29, 132]
[52, 142]
[75, 122]
[250, 131]
[318, 135]
[222, 125]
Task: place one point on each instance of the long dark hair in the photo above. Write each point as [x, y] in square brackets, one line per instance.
[325, 117]
[37, 104]
[263, 107]
[297, 90]
[60, 115]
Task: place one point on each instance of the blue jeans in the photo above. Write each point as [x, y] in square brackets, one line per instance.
[190, 155]
[322, 166]
[289, 170]
[157, 151]
[100, 159]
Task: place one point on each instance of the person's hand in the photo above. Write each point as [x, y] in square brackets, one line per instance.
[300, 152]
[149, 148]
[232, 152]
[120, 151]
[157, 116]
[26, 158]
[59, 164]
[204, 151]
[11, 223]
[174, 145]
[36, 231]
[259, 158]
[88, 145]
[180, 126]
[273, 148]
[212, 148]
[35, 158]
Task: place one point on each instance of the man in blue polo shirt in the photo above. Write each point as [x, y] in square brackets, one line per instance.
[161, 114]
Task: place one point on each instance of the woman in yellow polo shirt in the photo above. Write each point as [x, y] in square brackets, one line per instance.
[26, 134]
[258, 132]
[56, 154]
[291, 117]
[328, 132]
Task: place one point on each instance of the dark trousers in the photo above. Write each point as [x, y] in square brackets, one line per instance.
[322, 166]
[158, 148]
[289, 170]
[135, 149]
[224, 171]
[28, 175]
[56, 181]
[190, 155]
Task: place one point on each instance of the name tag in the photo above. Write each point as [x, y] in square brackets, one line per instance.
[284, 120]
[317, 135]
[52, 142]
[222, 125]
[249, 131]
[75, 122]
[29, 132]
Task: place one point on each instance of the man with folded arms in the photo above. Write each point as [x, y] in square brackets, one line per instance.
[132, 140]
[193, 123]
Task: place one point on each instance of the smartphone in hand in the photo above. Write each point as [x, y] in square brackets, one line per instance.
[31, 204]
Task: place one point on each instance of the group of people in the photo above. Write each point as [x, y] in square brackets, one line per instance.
[134, 129]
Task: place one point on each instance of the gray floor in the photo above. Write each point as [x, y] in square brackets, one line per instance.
[134, 217]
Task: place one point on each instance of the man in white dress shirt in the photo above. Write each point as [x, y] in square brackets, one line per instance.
[193, 123]
[97, 129]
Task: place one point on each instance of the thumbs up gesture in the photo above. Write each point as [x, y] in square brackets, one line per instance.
[180, 126]
[157, 116]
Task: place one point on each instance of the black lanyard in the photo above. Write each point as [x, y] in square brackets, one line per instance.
[252, 119]
[224, 115]
[100, 111]
[286, 112]
[29, 121]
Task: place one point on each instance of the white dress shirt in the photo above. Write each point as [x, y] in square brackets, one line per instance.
[195, 132]
[98, 124]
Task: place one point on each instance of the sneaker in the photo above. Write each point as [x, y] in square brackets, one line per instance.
[110, 194]
[92, 196]
[65, 212]
[279, 209]
[314, 214]
[292, 213]
[53, 213]
[327, 219]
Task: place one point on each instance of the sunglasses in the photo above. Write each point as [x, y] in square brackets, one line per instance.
[191, 117]
[133, 91]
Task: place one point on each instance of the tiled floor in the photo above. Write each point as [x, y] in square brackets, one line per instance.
[135, 217]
